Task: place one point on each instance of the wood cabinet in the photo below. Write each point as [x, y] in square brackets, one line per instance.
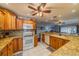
[19, 24]
[35, 41]
[56, 42]
[20, 44]
[10, 22]
[1, 21]
[43, 37]
[10, 48]
[15, 46]
[7, 20]
[4, 51]
[30, 21]
[13, 22]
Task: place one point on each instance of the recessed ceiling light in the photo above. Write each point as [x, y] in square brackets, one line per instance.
[73, 11]
[7, 3]
[74, 3]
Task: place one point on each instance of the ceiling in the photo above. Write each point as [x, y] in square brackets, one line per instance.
[65, 11]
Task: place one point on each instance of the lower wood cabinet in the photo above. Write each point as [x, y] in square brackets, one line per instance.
[56, 42]
[35, 41]
[20, 44]
[10, 48]
[43, 37]
[4, 51]
[14, 46]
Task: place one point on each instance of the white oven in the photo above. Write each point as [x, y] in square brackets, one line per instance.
[28, 37]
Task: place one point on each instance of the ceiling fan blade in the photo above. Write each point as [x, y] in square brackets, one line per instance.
[30, 3]
[32, 8]
[34, 14]
[47, 11]
[43, 5]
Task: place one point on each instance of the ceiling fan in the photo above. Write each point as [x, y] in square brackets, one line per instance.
[39, 10]
[58, 20]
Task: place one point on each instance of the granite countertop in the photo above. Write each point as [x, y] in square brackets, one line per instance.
[5, 41]
[69, 49]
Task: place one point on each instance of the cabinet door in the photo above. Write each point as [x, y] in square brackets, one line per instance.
[15, 45]
[20, 44]
[7, 22]
[4, 51]
[64, 41]
[54, 42]
[43, 38]
[61, 41]
[19, 23]
[35, 41]
[10, 48]
[0, 53]
[13, 22]
[1, 21]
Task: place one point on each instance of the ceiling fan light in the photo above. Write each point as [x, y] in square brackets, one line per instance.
[40, 14]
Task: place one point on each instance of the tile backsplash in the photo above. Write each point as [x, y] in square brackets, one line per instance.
[11, 33]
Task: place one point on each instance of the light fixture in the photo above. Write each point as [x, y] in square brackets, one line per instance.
[73, 11]
[7, 3]
[40, 14]
[74, 3]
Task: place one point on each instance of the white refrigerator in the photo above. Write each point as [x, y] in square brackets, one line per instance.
[28, 36]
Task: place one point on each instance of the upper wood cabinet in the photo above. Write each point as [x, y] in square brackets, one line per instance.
[1, 21]
[19, 24]
[13, 22]
[7, 20]
[10, 22]
[30, 21]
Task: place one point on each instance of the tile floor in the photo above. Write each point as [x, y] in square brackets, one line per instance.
[40, 50]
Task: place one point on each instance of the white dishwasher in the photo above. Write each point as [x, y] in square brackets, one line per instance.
[47, 39]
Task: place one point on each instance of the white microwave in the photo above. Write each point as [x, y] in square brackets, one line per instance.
[27, 26]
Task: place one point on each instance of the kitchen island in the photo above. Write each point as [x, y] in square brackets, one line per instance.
[70, 48]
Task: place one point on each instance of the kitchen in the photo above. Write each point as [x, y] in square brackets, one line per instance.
[39, 29]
